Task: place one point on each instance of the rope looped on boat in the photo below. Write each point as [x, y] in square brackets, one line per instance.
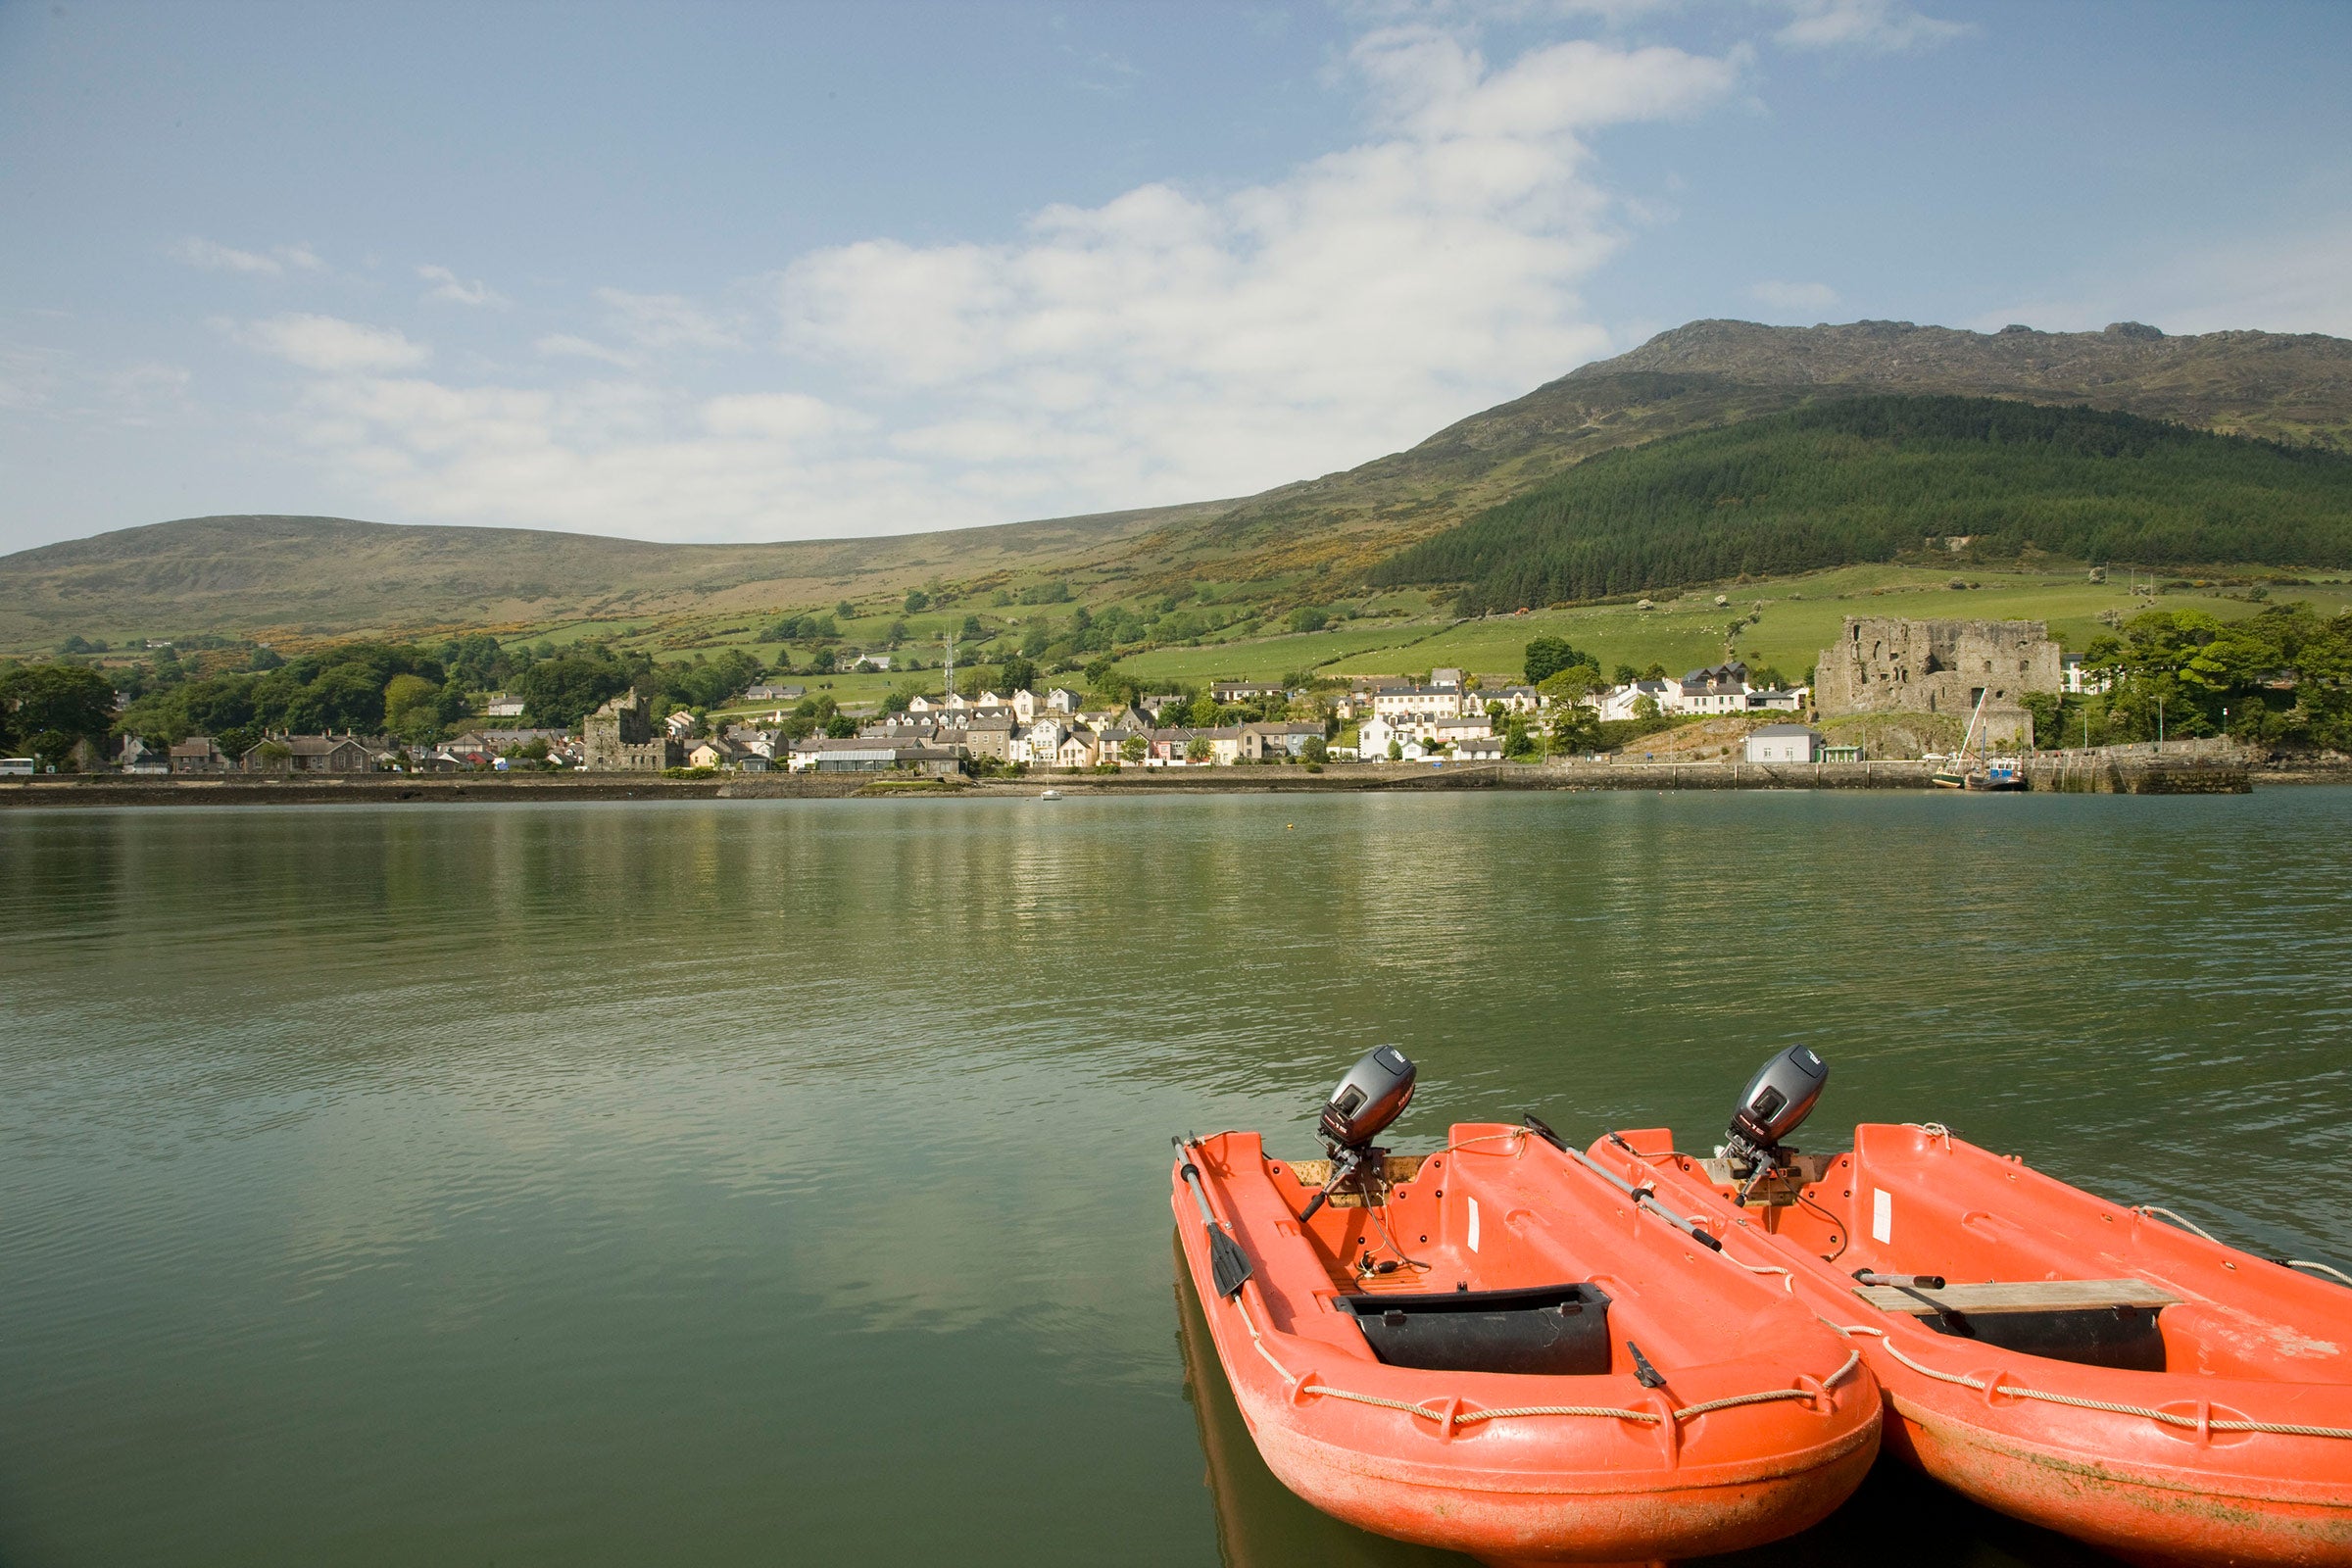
[2162, 1417]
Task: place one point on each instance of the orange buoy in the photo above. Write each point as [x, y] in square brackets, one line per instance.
[1493, 1349]
[2064, 1359]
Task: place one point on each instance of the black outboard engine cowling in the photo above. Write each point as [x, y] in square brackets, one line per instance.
[1774, 1103]
[1374, 1094]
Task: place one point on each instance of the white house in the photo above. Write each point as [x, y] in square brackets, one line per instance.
[679, 724]
[1454, 731]
[1777, 700]
[2073, 678]
[1484, 748]
[1401, 702]
[1516, 699]
[1619, 700]
[1446, 679]
[1785, 743]
[1714, 689]
[1061, 699]
[503, 706]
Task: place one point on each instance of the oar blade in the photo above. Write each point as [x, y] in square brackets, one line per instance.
[1228, 1265]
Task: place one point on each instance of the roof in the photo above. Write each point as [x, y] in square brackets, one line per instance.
[1784, 730]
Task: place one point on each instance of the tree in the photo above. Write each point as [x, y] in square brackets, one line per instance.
[1307, 617]
[1205, 713]
[841, 727]
[1198, 749]
[1396, 751]
[1316, 748]
[917, 601]
[971, 632]
[845, 611]
[1018, 673]
[1622, 674]
[897, 633]
[1132, 750]
[47, 709]
[1549, 656]
[1571, 685]
[562, 691]
[412, 709]
[820, 662]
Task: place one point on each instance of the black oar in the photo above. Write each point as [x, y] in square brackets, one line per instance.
[1228, 1264]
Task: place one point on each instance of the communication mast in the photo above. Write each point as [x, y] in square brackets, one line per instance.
[950, 694]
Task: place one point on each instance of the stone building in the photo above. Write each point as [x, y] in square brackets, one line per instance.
[1879, 664]
[619, 738]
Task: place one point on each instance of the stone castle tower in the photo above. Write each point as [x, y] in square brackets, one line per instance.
[1881, 664]
[619, 737]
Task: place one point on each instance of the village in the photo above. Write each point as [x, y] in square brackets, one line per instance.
[1448, 716]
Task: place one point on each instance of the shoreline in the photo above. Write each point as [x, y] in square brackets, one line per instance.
[2139, 775]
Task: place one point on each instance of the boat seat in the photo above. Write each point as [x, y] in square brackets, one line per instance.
[2109, 1323]
[2018, 1295]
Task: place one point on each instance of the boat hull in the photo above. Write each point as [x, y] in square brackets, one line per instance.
[1529, 1488]
[2124, 1457]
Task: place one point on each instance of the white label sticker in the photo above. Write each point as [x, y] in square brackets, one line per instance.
[1882, 1215]
[1473, 1202]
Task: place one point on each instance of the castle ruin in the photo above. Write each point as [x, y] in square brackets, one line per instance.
[1881, 664]
[619, 737]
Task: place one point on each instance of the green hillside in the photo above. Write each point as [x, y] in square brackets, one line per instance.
[1873, 478]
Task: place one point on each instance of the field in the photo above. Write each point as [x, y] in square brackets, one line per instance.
[1783, 624]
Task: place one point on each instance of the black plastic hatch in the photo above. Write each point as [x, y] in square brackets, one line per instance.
[1544, 1330]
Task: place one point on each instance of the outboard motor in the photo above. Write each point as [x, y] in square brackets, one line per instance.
[1776, 1102]
[1374, 1094]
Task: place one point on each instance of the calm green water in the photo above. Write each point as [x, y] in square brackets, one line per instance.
[777, 1182]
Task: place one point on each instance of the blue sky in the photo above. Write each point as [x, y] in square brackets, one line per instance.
[762, 272]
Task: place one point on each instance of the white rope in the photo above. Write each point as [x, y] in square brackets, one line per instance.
[1787, 1279]
[2323, 1268]
[2184, 1224]
[2164, 1417]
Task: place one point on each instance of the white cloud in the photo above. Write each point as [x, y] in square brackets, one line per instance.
[662, 320]
[1171, 344]
[204, 253]
[330, 344]
[565, 345]
[1794, 296]
[1876, 26]
[454, 290]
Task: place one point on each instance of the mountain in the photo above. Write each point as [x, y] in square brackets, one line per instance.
[333, 576]
[1870, 478]
[1298, 542]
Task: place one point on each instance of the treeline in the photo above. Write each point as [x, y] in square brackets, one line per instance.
[1871, 479]
[2279, 677]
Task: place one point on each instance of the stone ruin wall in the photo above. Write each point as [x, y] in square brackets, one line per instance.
[1882, 664]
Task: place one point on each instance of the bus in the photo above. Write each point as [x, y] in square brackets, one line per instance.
[16, 764]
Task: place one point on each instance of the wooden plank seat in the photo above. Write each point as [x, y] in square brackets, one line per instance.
[2018, 1295]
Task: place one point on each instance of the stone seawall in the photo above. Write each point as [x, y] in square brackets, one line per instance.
[2122, 771]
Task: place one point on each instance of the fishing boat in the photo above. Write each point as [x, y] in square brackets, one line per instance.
[1050, 795]
[1996, 773]
[2079, 1364]
[1497, 1348]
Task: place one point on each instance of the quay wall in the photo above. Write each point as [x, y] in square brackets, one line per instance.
[2120, 770]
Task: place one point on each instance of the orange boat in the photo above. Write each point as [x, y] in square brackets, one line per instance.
[1493, 1349]
[2067, 1360]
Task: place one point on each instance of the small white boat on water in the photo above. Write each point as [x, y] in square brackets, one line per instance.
[1050, 795]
